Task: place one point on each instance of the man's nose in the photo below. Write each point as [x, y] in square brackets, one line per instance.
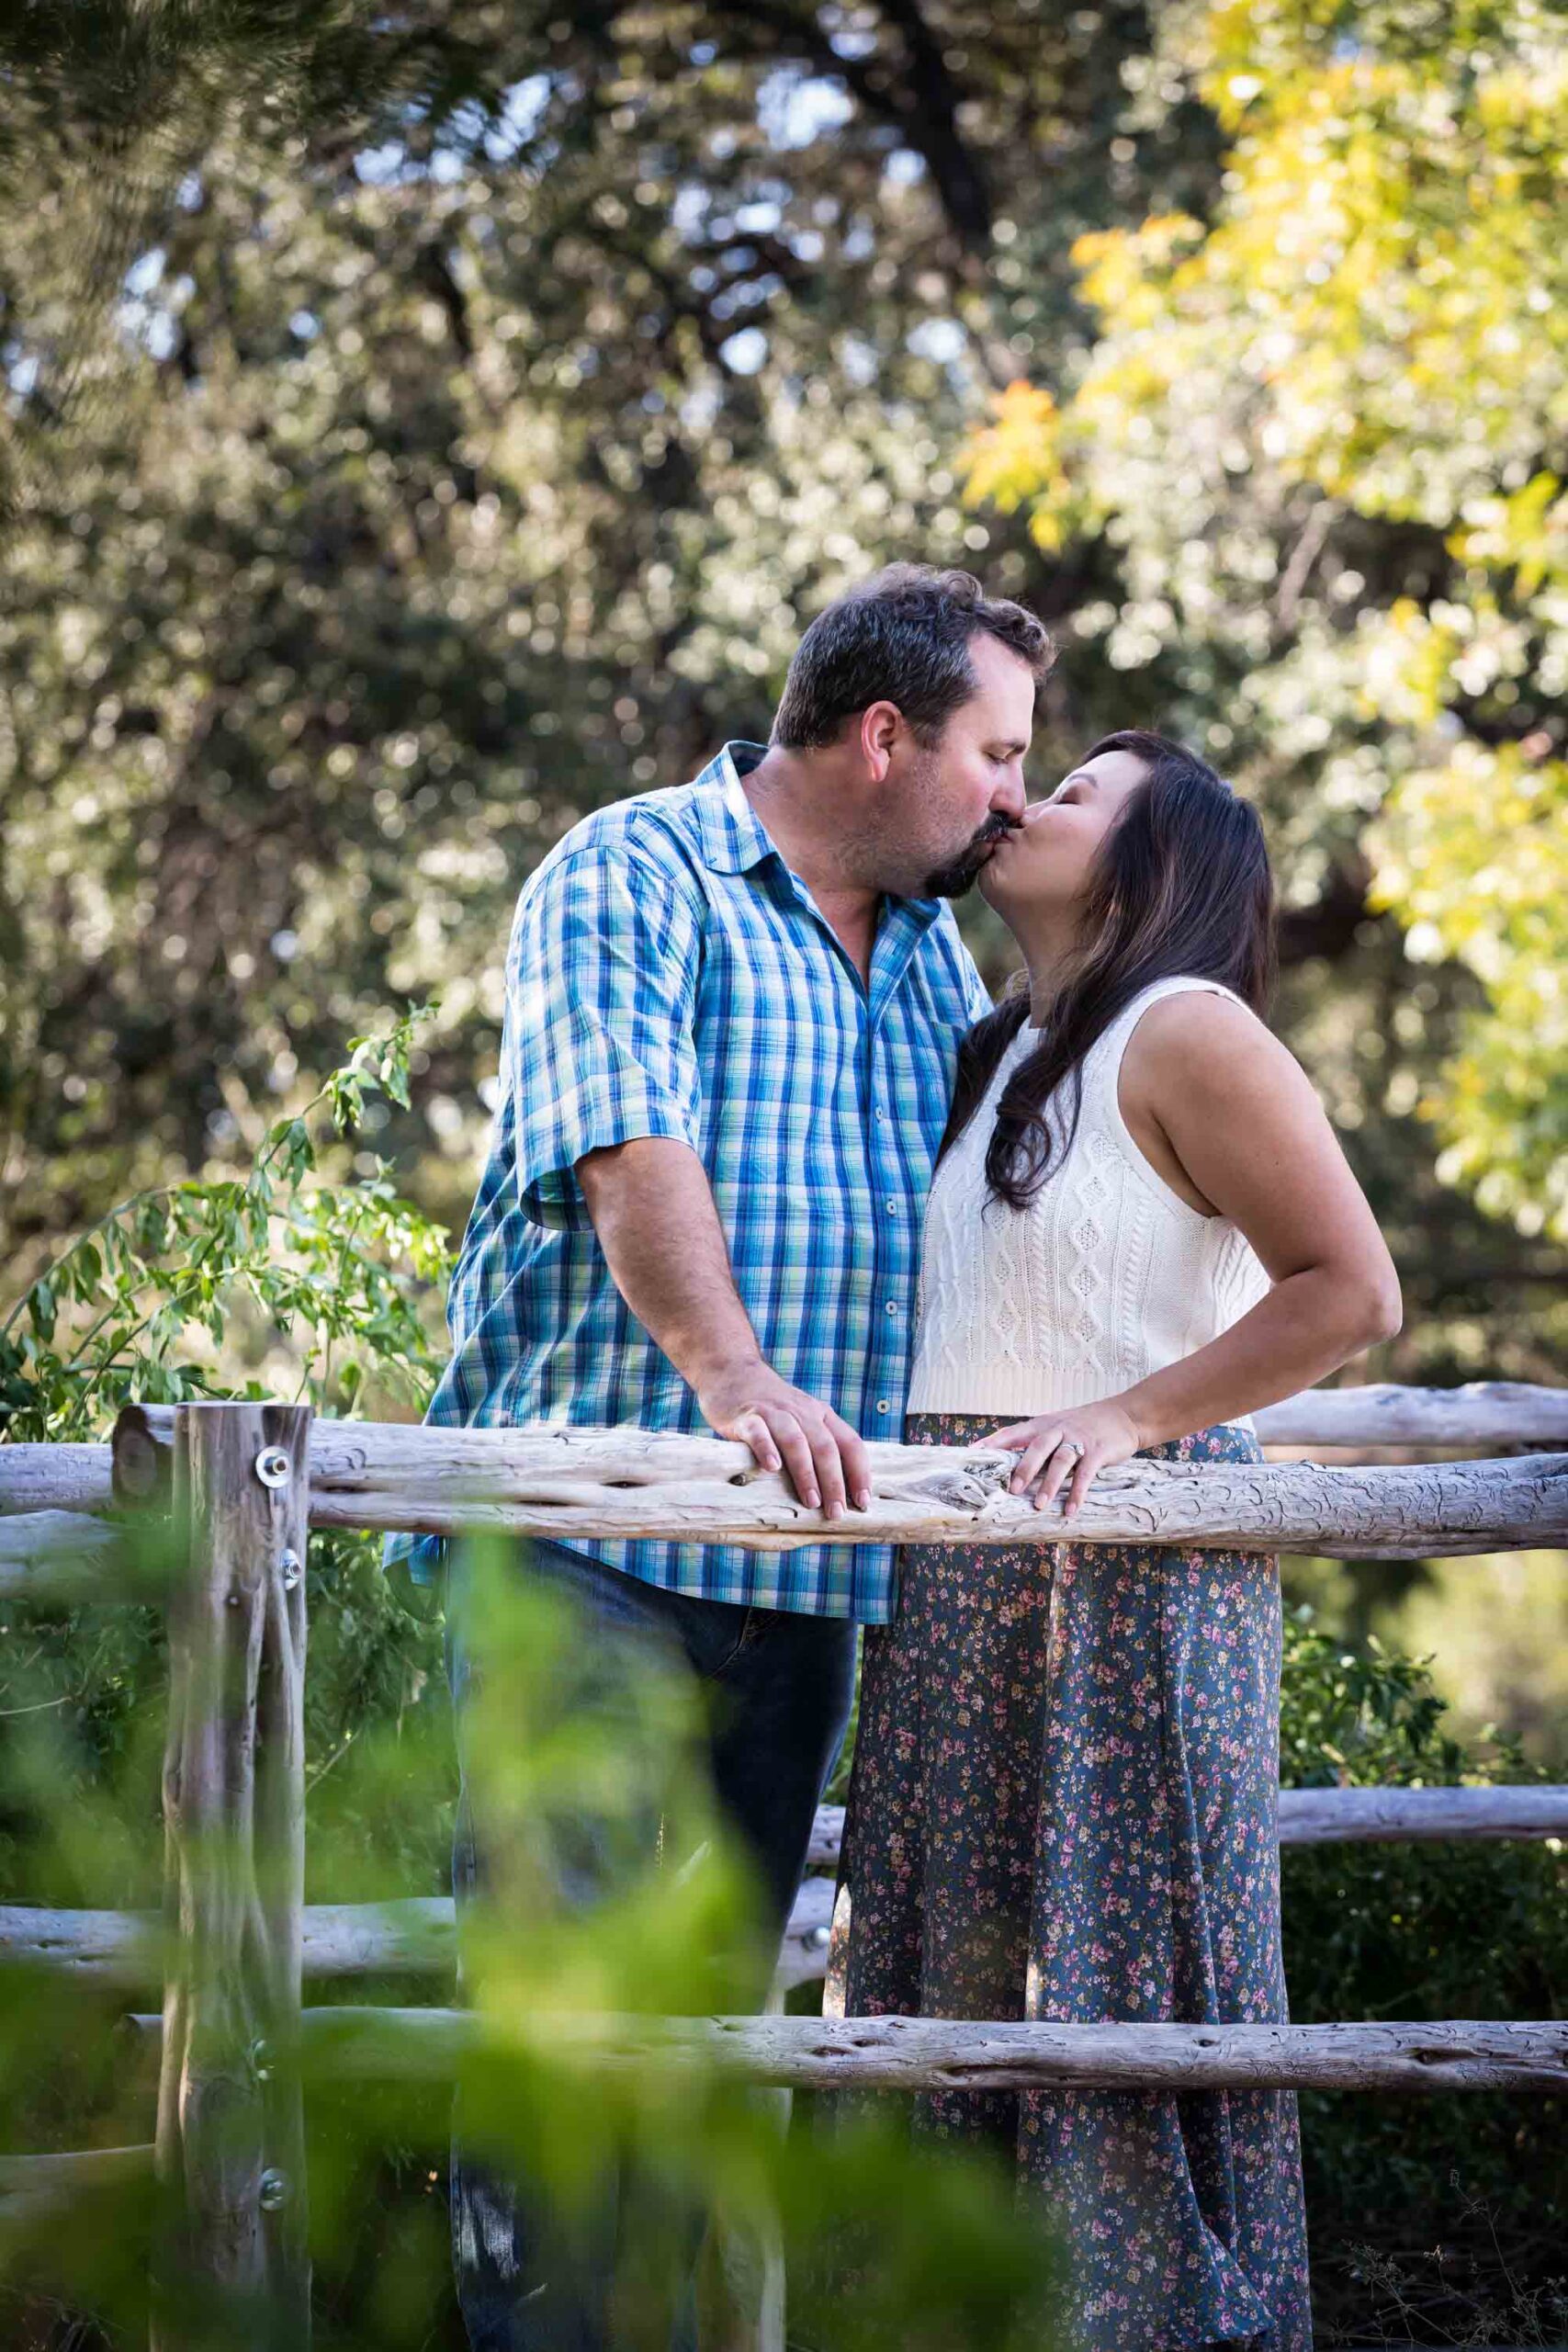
[1009, 798]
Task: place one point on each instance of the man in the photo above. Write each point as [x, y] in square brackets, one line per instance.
[733, 1010]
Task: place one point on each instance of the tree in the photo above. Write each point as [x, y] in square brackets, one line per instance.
[1323, 425]
[452, 428]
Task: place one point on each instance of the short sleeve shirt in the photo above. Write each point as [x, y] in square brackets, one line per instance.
[669, 976]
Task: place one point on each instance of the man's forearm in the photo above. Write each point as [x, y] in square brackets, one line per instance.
[654, 1213]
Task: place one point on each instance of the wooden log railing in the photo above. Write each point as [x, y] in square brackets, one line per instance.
[1472, 1419]
[345, 2045]
[245, 1482]
[416, 1935]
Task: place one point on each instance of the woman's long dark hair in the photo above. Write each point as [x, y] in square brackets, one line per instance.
[1182, 885]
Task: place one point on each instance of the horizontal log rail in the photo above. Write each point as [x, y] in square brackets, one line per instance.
[55, 1477]
[575, 1484]
[417, 1936]
[946, 2054]
[246, 1480]
[31, 2183]
[1481, 1414]
[60, 1555]
[410, 1937]
[1356, 1816]
[620, 1482]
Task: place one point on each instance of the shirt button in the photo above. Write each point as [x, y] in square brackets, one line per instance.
[882, 1119]
[882, 1405]
[892, 1208]
[892, 1306]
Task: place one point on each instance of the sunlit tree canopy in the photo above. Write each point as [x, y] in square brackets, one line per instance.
[1326, 424]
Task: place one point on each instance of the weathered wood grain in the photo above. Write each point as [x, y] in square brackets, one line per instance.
[575, 1483]
[231, 2157]
[55, 1477]
[58, 1555]
[940, 2053]
[126, 1948]
[1481, 1415]
[1478, 1416]
[1341, 1816]
[417, 1934]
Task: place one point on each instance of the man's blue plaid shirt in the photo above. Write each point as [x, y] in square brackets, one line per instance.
[668, 976]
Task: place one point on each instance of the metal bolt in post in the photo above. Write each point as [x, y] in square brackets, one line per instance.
[274, 2192]
[273, 1466]
[291, 1567]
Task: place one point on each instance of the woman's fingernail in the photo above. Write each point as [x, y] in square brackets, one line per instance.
[863, 1498]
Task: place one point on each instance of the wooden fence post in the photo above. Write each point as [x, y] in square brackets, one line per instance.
[231, 2268]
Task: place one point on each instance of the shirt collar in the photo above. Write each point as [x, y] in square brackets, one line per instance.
[734, 838]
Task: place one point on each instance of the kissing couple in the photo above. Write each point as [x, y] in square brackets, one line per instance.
[767, 1161]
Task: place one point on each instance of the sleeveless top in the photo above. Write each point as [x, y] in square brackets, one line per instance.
[1106, 1277]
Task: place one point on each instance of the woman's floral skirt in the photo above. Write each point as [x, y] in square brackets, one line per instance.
[1064, 1806]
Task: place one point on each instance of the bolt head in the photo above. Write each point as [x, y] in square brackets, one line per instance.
[290, 1566]
[274, 2192]
[272, 1466]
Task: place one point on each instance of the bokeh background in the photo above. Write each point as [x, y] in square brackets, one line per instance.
[422, 424]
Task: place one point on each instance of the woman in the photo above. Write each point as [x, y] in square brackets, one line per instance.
[1063, 1801]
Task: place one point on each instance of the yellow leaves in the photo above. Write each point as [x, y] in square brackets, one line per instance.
[1377, 312]
[1014, 459]
[1017, 461]
[1127, 272]
[1404, 667]
[1472, 858]
[1528, 531]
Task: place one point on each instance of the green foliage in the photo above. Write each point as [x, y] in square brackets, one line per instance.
[179, 1291]
[118, 1313]
[1322, 424]
[389, 488]
[1412, 1930]
[1359, 1718]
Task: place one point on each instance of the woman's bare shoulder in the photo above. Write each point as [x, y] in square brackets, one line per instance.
[1209, 1044]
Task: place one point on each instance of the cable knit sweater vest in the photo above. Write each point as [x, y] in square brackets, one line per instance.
[1106, 1277]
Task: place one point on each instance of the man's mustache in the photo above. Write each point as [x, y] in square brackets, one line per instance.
[953, 880]
[995, 829]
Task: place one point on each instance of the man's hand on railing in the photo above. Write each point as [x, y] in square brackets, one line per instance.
[788, 1430]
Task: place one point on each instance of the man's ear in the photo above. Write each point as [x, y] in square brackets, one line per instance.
[881, 724]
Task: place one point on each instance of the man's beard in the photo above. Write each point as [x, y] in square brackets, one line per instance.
[951, 881]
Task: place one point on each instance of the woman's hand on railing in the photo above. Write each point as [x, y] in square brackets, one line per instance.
[1056, 1447]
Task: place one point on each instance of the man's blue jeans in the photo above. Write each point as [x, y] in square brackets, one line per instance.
[781, 1684]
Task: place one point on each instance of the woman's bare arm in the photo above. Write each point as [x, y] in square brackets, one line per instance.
[1246, 1128]
[1227, 1118]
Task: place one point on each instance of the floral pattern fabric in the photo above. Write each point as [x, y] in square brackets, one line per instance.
[1064, 1806]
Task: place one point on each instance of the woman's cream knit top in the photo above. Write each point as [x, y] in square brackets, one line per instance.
[1106, 1277]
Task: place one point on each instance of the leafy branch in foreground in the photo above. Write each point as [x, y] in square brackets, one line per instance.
[124, 1308]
